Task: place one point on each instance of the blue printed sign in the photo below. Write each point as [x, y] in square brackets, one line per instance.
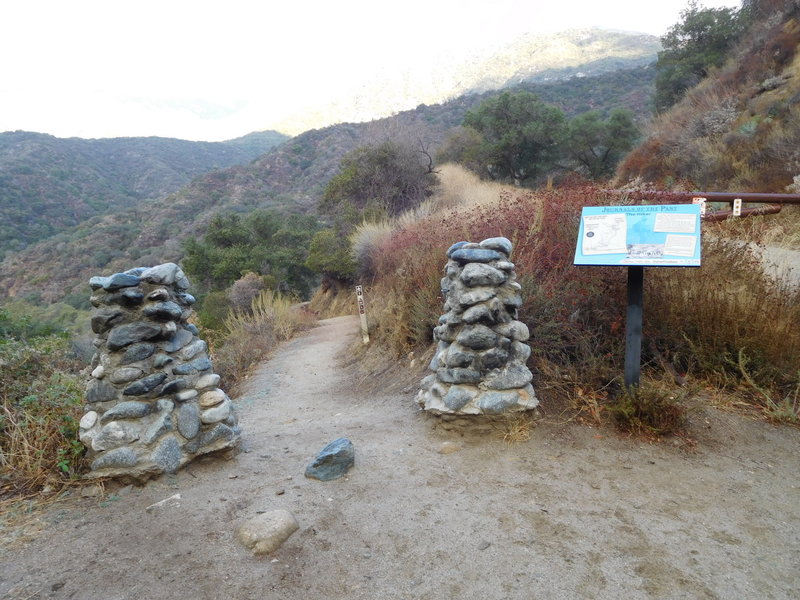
[662, 235]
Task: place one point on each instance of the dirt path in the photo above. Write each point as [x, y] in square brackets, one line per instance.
[572, 513]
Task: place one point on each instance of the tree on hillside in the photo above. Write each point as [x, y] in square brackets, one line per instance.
[329, 255]
[462, 146]
[698, 42]
[597, 145]
[520, 136]
[263, 242]
[389, 176]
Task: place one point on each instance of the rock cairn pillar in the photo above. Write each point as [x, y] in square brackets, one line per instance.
[152, 403]
[479, 365]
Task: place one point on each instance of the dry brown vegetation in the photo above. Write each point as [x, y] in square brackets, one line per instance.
[251, 335]
[727, 327]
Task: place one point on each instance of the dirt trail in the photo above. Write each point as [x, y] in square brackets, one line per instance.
[575, 512]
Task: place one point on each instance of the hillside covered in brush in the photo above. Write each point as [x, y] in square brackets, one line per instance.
[290, 178]
[739, 128]
[48, 184]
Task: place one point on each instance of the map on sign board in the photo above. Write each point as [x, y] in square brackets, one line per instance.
[666, 235]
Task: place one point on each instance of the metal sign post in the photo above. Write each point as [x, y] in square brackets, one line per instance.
[660, 235]
[362, 311]
[633, 326]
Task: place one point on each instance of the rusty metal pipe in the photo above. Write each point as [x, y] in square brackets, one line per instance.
[754, 197]
[721, 215]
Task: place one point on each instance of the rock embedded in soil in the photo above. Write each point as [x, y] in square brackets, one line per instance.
[333, 461]
[264, 533]
[142, 418]
[448, 448]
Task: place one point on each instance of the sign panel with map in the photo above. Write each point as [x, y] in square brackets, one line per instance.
[665, 235]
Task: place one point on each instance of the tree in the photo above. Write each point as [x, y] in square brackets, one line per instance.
[521, 136]
[390, 176]
[264, 243]
[698, 42]
[329, 255]
[597, 145]
[462, 146]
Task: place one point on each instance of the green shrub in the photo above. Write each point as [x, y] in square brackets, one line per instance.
[648, 410]
[214, 310]
[41, 395]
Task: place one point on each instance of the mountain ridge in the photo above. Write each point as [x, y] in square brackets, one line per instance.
[48, 183]
[502, 66]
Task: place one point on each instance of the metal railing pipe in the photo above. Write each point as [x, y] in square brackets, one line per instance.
[677, 197]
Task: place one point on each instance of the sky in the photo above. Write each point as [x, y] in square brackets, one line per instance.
[201, 70]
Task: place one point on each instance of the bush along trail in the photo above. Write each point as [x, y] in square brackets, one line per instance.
[432, 507]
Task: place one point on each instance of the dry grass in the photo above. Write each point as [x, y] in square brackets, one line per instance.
[781, 230]
[516, 429]
[251, 336]
[364, 242]
[332, 302]
[459, 187]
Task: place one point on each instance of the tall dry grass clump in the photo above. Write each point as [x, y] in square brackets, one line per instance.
[730, 322]
[41, 398]
[333, 302]
[365, 241]
[460, 187]
[250, 336]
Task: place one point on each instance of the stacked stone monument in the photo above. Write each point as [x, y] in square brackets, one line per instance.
[479, 365]
[152, 402]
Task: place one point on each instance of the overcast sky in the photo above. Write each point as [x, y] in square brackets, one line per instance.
[216, 70]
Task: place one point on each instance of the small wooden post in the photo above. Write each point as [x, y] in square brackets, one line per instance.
[362, 311]
[633, 326]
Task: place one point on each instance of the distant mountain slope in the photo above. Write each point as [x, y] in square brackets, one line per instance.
[48, 184]
[532, 58]
[291, 177]
[537, 58]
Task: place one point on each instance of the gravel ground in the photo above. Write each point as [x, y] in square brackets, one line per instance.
[432, 509]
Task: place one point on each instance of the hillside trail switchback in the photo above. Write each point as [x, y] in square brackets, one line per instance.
[432, 509]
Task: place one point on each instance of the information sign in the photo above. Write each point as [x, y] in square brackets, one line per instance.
[665, 235]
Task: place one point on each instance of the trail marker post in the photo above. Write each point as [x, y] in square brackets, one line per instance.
[362, 312]
[661, 235]
[702, 203]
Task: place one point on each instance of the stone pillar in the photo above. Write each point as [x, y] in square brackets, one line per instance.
[479, 365]
[152, 403]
